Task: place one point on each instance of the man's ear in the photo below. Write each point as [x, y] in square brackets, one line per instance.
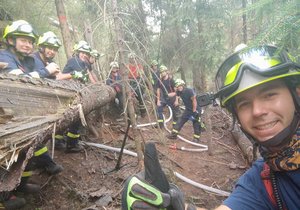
[10, 41]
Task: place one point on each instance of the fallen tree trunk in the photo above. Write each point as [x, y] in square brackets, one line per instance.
[244, 144]
[29, 110]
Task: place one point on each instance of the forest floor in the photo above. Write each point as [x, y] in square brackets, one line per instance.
[87, 183]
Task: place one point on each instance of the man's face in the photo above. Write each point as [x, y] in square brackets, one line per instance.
[50, 52]
[92, 59]
[84, 56]
[265, 110]
[115, 71]
[154, 67]
[164, 74]
[24, 44]
[180, 88]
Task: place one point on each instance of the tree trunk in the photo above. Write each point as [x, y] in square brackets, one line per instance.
[130, 108]
[66, 35]
[31, 109]
[245, 36]
[244, 144]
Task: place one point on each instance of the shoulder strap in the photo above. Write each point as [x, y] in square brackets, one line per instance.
[266, 178]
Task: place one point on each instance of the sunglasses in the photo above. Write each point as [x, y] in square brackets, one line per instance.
[265, 60]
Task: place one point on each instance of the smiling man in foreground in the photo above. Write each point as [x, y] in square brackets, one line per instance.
[260, 86]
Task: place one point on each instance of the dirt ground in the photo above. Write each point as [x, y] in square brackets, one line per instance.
[87, 183]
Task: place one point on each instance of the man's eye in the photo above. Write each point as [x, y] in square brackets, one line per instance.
[242, 105]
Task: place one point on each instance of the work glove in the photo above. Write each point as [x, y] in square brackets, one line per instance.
[195, 116]
[16, 72]
[79, 75]
[138, 194]
[150, 189]
[52, 68]
[34, 74]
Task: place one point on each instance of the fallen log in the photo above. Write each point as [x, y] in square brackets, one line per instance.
[29, 109]
[244, 143]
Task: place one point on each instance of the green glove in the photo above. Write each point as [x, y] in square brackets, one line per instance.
[79, 75]
[138, 193]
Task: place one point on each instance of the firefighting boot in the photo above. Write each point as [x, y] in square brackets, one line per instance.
[43, 160]
[13, 203]
[28, 188]
[196, 138]
[72, 143]
[60, 143]
[52, 168]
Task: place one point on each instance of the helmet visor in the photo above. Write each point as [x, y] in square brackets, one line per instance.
[266, 61]
[25, 29]
[53, 41]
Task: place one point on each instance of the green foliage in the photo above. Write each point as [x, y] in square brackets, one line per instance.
[194, 34]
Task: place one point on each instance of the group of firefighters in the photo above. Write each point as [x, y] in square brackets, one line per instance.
[19, 38]
[259, 85]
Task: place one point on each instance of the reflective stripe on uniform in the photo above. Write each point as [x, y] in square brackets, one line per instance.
[196, 136]
[26, 173]
[174, 123]
[59, 137]
[40, 151]
[160, 120]
[72, 135]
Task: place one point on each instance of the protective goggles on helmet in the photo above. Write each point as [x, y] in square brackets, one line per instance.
[267, 61]
[54, 41]
[26, 30]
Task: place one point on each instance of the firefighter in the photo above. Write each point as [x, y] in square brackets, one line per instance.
[114, 80]
[135, 80]
[48, 45]
[166, 96]
[77, 68]
[260, 86]
[20, 38]
[188, 97]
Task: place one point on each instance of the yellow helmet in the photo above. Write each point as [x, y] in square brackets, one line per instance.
[179, 82]
[154, 63]
[20, 28]
[82, 46]
[131, 55]
[162, 68]
[95, 54]
[114, 64]
[49, 39]
[251, 67]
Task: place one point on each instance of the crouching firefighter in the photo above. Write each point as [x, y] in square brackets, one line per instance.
[77, 68]
[20, 38]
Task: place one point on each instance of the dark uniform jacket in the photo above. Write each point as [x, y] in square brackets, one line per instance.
[40, 65]
[76, 64]
[26, 65]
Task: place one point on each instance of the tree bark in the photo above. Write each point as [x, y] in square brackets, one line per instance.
[31, 109]
[244, 144]
[66, 35]
[130, 108]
